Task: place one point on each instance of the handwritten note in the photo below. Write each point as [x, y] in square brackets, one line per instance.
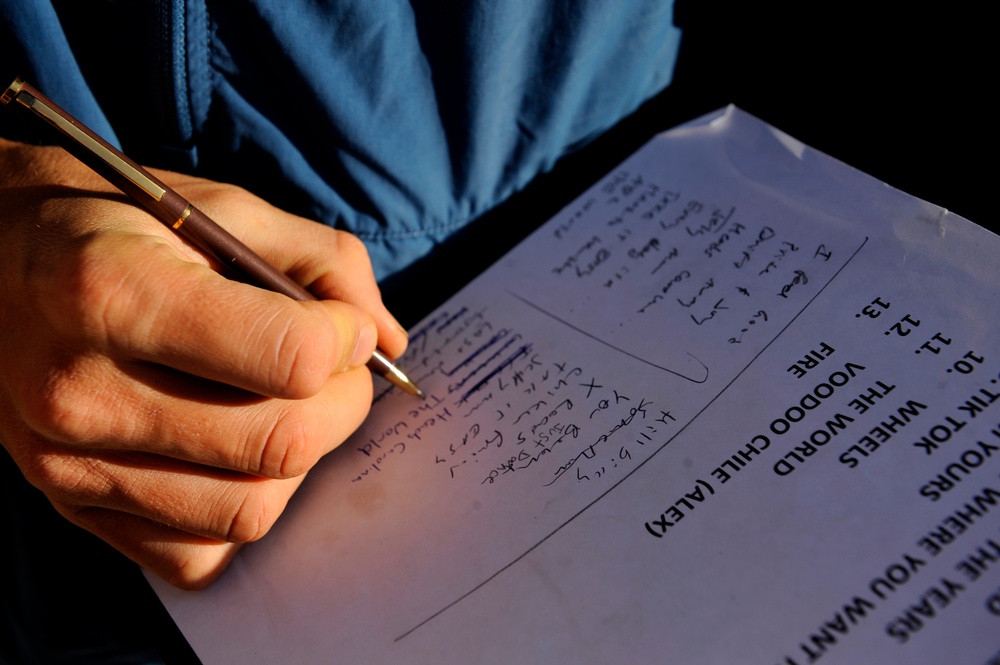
[734, 404]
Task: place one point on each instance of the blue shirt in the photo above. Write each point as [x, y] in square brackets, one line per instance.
[398, 121]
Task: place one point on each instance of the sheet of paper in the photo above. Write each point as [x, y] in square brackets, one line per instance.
[737, 403]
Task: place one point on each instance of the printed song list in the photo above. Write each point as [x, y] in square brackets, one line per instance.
[736, 403]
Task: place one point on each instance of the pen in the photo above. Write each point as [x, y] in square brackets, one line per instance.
[173, 210]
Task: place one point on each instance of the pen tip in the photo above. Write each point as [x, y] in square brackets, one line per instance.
[409, 386]
[384, 367]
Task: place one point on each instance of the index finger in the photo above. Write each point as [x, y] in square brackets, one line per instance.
[133, 296]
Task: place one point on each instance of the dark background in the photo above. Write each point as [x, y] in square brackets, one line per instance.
[904, 94]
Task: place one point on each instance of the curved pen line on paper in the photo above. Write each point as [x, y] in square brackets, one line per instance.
[611, 346]
[641, 464]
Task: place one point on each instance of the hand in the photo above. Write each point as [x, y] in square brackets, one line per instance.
[161, 406]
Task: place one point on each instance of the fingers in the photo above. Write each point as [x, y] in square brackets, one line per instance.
[156, 403]
[355, 285]
[211, 503]
[131, 297]
[331, 264]
[182, 559]
[182, 521]
[149, 408]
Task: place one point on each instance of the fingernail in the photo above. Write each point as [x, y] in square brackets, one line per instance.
[367, 339]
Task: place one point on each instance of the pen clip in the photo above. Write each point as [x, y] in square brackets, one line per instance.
[96, 147]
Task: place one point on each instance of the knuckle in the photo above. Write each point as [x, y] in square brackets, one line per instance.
[227, 203]
[303, 359]
[229, 195]
[214, 193]
[90, 289]
[195, 567]
[348, 249]
[96, 295]
[286, 451]
[252, 518]
[63, 409]
[93, 295]
[185, 574]
[351, 244]
[63, 478]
